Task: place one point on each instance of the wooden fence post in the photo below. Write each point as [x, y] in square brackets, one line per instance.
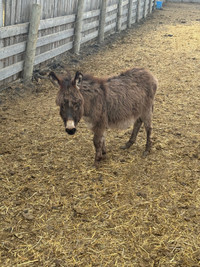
[102, 21]
[145, 8]
[1, 25]
[78, 26]
[31, 42]
[138, 12]
[119, 16]
[154, 5]
[130, 7]
[151, 6]
[1, 13]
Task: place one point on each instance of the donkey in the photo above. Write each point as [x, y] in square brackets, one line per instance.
[114, 102]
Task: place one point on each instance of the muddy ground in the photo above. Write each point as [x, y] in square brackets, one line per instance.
[58, 210]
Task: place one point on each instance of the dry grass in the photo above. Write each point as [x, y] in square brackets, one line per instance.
[57, 210]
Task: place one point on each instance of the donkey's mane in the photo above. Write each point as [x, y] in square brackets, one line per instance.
[95, 80]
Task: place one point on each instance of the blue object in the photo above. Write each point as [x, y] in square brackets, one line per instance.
[159, 4]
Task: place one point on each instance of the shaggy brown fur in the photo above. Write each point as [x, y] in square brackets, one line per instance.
[115, 102]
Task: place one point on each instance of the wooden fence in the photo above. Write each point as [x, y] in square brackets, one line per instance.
[58, 26]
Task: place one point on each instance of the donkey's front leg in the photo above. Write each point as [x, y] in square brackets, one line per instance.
[99, 144]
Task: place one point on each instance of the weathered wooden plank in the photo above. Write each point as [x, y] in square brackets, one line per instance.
[124, 27]
[89, 37]
[18, 67]
[134, 11]
[92, 4]
[12, 50]
[11, 70]
[18, 29]
[15, 49]
[13, 30]
[111, 8]
[133, 19]
[58, 21]
[89, 26]
[91, 14]
[111, 17]
[12, 12]
[52, 8]
[18, 11]
[125, 3]
[134, 4]
[44, 24]
[25, 10]
[110, 27]
[7, 13]
[124, 19]
[47, 39]
[56, 8]
[125, 12]
[52, 53]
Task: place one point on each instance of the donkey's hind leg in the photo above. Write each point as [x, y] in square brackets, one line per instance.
[134, 134]
[148, 128]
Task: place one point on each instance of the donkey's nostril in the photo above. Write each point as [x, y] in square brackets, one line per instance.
[71, 131]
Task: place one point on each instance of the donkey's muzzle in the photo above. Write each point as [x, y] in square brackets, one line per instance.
[71, 131]
[70, 127]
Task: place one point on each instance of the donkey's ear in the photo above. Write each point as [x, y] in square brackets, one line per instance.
[54, 78]
[78, 78]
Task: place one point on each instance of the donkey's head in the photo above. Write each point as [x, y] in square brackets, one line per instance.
[70, 100]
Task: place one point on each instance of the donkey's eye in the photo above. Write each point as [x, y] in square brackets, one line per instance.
[76, 105]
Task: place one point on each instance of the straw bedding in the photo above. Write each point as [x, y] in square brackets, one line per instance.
[58, 210]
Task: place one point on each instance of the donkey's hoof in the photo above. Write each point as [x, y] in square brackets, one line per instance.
[103, 156]
[97, 164]
[126, 146]
[145, 153]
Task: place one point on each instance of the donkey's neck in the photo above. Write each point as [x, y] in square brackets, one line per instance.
[94, 95]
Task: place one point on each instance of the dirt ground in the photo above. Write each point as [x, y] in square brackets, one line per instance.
[58, 210]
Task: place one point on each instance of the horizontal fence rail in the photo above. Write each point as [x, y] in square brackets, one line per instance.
[57, 33]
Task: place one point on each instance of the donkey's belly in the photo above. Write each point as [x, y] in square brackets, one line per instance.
[123, 124]
[120, 124]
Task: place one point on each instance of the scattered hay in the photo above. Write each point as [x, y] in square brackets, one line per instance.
[57, 210]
